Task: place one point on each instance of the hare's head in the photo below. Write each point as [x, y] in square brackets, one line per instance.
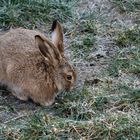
[63, 73]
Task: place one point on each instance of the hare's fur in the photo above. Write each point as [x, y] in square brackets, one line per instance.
[29, 70]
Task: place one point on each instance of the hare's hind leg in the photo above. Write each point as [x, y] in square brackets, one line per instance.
[19, 93]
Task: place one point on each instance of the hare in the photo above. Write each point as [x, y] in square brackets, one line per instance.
[33, 66]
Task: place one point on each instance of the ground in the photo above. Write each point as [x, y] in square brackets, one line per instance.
[102, 39]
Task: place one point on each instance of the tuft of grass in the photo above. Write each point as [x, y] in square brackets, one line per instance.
[85, 41]
[82, 48]
[128, 5]
[83, 34]
[88, 26]
[129, 37]
[131, 94]
[127, 61]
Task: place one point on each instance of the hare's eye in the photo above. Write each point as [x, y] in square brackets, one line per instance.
[69, 77]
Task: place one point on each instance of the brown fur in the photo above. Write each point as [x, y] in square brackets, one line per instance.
[33, 66]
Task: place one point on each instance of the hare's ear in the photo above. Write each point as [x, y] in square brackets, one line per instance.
[57, 36]
[48, 50]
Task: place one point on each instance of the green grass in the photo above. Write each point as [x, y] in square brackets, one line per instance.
[85, 36]
[127, 61]
[107, 106]
[30, 13]
[128, 5]
[83, 46]
[129, 37]
[86, 117]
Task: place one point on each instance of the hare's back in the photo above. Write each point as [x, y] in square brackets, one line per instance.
[19, 39]
[18, 47]
[18, 53]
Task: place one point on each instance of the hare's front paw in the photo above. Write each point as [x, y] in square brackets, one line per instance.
[18, 92]
[47, 103]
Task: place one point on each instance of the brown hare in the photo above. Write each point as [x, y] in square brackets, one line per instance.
[33, 66]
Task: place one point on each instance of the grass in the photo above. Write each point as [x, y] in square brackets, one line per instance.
[128, 5]
[107, 106]
[129, 37]
[127, 61]
[30, 13]
[85, 35]
[77, 120]
[83, 46]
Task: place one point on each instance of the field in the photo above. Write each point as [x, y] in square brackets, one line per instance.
[102, 40]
